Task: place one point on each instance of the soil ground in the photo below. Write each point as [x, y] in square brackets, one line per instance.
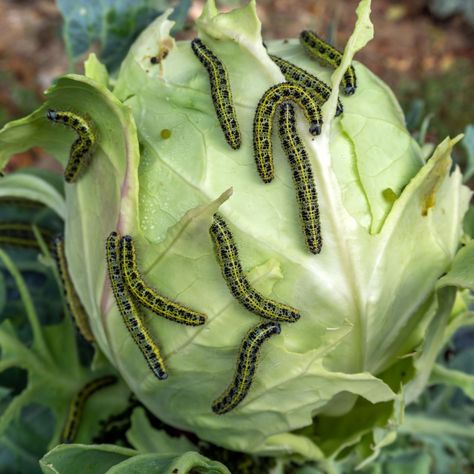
[419, 56]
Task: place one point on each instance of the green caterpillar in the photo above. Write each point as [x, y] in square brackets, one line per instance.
[20, 234]
[82, 148]
[303, 178]
[148, 296]
[130, 312]
[72, 298]
[263, 121]
[76, 407]
[299, 76]
[246, 366]
[327, 55]
[221, 92]
[228, 257]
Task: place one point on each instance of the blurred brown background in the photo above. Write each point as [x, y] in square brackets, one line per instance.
[420, 55]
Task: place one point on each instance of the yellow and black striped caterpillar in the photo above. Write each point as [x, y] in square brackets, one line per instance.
[18, 201]
[72, 298]
[221, 92]
[82, 148]
[131, 314]
[246, 366]
[327, 55]
[149, 297]
[228, 257]
[299, 76]
[303, 178]
[76, 407]
[263, 121]
[20, 234]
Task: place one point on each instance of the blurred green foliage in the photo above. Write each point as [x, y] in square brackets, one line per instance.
[446, 8]
[23, 99]
[111, 26]
[447, 96]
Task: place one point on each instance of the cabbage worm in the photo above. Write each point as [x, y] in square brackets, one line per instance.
[303, 178]
[263, 121]
[76, 406]
[299, 76]
[246, 366]
[130, 312]
[221, 92]
[327, 55]
[82, 148]
[237, 282]
[148, 296]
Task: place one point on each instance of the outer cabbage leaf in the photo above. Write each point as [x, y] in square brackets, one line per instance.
[110, 459]
[146, 439]
[460, 273]
[39, 188]
[111, 180]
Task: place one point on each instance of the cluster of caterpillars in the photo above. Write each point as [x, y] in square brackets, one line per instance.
[129, 288]
[309, 93]
[301, 88]
[130, 291]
